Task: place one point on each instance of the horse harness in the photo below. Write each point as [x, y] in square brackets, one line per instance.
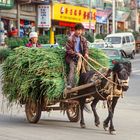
[111, 88]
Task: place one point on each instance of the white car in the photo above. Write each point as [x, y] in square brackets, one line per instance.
[100, 44]
[123, 41]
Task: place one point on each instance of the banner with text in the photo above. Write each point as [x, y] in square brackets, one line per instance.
[74, 14]
[44, 16]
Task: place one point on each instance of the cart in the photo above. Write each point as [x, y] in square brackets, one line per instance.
[68, 103]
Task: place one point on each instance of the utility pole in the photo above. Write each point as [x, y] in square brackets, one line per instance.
[113, 16]
[18, 18]
[90, 15]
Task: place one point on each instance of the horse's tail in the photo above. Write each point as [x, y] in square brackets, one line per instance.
[87, 109]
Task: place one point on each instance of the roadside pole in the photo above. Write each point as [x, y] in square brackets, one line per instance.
[52, 27]
[90, 15]
[113, 16]
[18, 18]
[51, 35]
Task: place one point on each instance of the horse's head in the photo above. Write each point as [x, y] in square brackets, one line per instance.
[122, 71]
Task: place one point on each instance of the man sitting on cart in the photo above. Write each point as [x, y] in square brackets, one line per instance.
[76, 47]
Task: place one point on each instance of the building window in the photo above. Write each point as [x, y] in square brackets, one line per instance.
[28, 8]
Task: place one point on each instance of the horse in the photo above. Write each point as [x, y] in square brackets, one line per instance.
[115, 81]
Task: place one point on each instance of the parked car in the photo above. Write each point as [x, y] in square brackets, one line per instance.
[50, 45]
[115, 55]
[123, 41]
[100, 44]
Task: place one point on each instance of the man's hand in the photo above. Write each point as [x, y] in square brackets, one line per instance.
[86, 56]
[79, 54]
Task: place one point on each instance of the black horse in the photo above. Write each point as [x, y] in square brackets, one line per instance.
[119, 76]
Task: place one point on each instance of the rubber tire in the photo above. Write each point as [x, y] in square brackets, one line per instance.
[132, 56]
[75, 116]
[33, 116]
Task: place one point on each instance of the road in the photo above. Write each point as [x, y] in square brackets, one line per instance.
[55, 125]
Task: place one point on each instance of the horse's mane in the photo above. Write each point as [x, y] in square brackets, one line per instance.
[125, 64]
[85, 77]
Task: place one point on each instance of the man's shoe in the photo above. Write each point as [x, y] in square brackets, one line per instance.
[69, 86]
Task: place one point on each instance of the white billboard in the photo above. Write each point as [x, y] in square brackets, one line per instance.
[44, 16]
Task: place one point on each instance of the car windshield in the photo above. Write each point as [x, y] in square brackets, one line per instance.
[111, 52]
[114, 40]
[99, 45]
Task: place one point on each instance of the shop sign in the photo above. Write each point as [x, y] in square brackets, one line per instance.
[74, 14]
[102, 16]
[122, 16]
[6, 4]
[66, 24]
[86, 25]
[44, 16]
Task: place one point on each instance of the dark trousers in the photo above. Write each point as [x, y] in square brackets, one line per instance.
[72, 67]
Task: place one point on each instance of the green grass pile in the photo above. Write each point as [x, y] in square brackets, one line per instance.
[4, 53]
[36, 72]
[100, 57]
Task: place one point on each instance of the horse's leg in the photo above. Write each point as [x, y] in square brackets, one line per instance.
[114, 102]
[93, 106]
[106, 121]
[82, 103]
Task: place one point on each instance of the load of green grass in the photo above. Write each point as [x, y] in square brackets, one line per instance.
[4, 53]
[36, 72]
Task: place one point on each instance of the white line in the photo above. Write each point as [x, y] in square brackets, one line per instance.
[135, 60]
[135, 71]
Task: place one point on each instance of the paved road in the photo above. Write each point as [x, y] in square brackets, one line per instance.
[55, 126]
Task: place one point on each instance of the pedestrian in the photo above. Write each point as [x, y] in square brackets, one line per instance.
[76, 47]
[33, 40]
[22, 32]
[13, 32]
[2, 34]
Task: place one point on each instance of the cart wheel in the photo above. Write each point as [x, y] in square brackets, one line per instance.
[73, 113]
[33, 111]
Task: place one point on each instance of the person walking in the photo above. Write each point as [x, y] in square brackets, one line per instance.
[2, 33]
[76, 47]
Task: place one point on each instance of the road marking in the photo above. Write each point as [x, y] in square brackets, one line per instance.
[135, 71]
[135, 60]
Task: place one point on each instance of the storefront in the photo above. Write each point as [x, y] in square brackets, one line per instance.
[122, 20]
[65, 16]
[6, 4]
[27, 18]
[102, 21]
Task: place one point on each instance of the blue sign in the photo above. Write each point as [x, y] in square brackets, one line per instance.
[102, 20]
[102, 16]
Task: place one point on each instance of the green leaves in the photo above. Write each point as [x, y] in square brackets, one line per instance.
[33, 72]
[4, 52]
[100, 57]
[37, 72]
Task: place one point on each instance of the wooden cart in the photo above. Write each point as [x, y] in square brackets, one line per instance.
[69, 103]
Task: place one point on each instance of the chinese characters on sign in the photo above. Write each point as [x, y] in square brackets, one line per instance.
[44, 17]
[75, 14]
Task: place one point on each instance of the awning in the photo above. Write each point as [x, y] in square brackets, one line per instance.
[102, 15]
[86, 25]
[122, 16]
